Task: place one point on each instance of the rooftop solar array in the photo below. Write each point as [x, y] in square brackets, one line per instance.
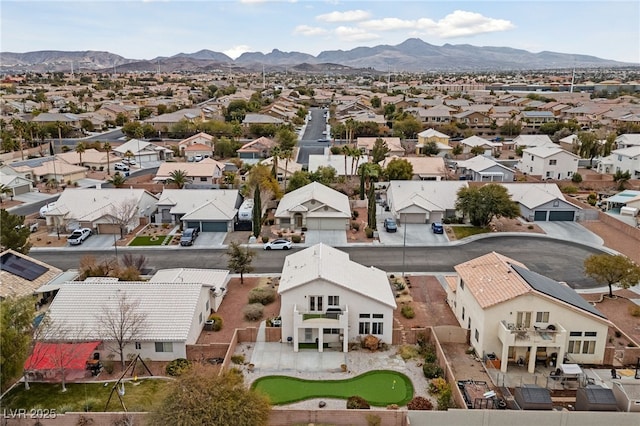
[21, 267]
[556, 290]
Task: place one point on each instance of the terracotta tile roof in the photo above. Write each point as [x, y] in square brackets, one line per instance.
[452, 282]
[491, 280]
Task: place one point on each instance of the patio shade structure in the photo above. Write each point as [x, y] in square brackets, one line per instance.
[47, 356]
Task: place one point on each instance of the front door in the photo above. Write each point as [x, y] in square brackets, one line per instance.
[298, 220]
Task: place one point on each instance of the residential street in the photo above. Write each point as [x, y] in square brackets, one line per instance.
[560, 260]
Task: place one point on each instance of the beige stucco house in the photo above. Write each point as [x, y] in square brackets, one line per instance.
[520, 316]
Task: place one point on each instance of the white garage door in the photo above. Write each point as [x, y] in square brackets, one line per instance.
[326, 224]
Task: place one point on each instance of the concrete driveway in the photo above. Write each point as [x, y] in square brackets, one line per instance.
[571, 231]
[209, 239]
[334, 238]
[96, 242]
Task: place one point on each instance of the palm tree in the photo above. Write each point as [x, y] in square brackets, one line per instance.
[59, 126]
[129, 155]
[346, 151]
[117, 180]
[286, 155]
[4, 189]
[457, 150]
[107, 148]
[179, 177]
[356, 154]
[80, 150]
[276, 152]
[19, 127]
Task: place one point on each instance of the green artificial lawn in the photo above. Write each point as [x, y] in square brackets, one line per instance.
[467, 231]
[379, 388]
[146, 241]
[85, 396]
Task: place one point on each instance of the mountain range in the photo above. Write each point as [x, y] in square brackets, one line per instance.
[412, 55]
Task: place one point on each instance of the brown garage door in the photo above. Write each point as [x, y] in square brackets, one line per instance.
[412, 218]
[108, 228]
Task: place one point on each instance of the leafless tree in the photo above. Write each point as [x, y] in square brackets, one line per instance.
[121, 324]
[123, 214]
[131, 261]
[55, 342]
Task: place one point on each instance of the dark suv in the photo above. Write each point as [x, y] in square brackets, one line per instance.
[188, 237]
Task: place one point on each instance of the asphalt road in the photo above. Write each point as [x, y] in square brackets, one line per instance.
[560, 260]
[309, 143]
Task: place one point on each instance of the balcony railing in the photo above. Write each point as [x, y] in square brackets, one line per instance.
[513, 334]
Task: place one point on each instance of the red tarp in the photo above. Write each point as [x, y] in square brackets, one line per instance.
[51, 356]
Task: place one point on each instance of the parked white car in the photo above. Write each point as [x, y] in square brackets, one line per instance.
[121, 166]
[279, 244]
[78, 236]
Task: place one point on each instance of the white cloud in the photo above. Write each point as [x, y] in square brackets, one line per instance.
[306, 30]
[346, 16]
[461, 23]
[457, 24]
[354, 34]
[236, 51]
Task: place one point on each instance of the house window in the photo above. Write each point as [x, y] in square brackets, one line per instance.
[138, 345]
[477, 335]
[574, 347]
[164, 346]
[376, 328]
[589, 347]
[315, 303]
[553, 162]
[548, 174]
[203, 179]
[463, 313]
[590, 334]
[542, 316]
[379, 316]
[575, 333]
[461, 284]
[333, 300]
[331, 331]
[200, 317]
[363, 328]
[207, 306]
[365, 315]
[523, 319]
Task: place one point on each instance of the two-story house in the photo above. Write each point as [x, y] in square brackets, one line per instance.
[329, 300]
[521, 317]
[622, 160]
[549, 162]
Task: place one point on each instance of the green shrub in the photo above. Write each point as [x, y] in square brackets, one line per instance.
[237, 359]
[253, 312]
[437, 385]
[177, 367]
[265, 239]
[398, 285]
[91, 404]
[262, 295]
[407, 312]
[446, 221]
[430, 357]
[576, 178]
[217, 322]
[419, 403]
[368, 232]
[355, 225]
[445, 401]
[569, 189]
[65, 408]
[432, 370]
[357, 403]
[296, 238]
[355, 214]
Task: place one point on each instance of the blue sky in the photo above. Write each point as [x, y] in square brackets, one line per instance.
[145, 29]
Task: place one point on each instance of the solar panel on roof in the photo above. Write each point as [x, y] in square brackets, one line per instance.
[21, 267]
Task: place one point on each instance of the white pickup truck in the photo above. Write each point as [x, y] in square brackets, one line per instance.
[78, 236]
